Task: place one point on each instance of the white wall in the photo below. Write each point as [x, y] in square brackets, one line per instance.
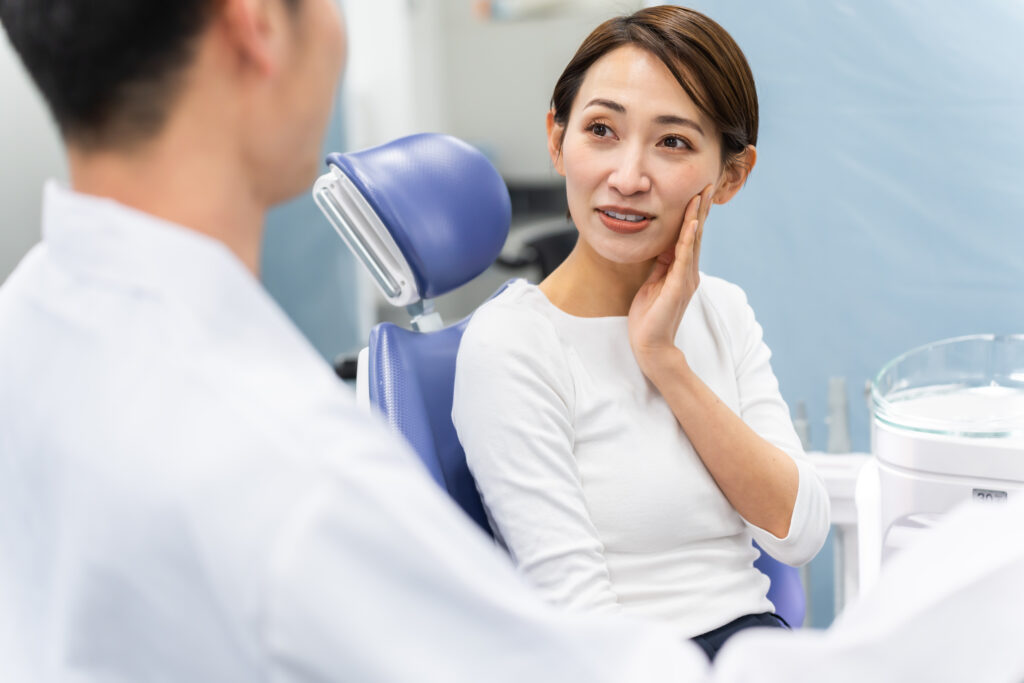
[434, 65]
[379, 90]
[30, 153]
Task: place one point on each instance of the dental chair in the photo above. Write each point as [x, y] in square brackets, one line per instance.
[426, 214]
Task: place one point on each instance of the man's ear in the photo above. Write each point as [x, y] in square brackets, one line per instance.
[254, 30]
[735, 174]
[555, 135]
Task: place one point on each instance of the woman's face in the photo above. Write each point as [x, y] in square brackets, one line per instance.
[636, 150]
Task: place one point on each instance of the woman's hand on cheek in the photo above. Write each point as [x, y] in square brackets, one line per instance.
[659, 305]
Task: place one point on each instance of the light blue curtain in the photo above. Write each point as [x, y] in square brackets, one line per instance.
[886, 207]
[310, 273]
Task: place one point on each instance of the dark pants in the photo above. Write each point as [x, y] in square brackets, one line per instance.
[712, 641]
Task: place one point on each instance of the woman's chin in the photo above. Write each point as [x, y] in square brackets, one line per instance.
[626, 257]
[621, 252]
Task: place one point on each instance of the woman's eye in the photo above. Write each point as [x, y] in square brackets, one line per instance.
[600, 130]
[673, 142]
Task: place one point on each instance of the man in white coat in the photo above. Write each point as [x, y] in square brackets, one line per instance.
[186, 491]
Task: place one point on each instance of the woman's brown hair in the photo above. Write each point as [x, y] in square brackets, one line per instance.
[699, 53]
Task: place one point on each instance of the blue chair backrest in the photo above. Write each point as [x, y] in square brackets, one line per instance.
[412, 376]
[786, 590]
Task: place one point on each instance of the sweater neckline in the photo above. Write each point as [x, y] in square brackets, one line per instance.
[579, 319]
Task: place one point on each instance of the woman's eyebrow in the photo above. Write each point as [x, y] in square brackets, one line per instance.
[673, 120]
[610, 104]
[663, 120]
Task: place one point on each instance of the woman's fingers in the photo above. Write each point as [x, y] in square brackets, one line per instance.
[705, 208]
[659, 270]
[682, 264]
[693, 208]
[684, 260]
[687, 240]
[690, 215]
[706, 200]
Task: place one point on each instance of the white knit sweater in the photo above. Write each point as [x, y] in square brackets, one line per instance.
[587, 476]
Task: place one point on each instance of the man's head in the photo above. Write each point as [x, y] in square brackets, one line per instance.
[116, 73]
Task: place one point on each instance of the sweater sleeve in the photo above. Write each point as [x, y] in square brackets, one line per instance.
[512, 409]
[762, 407]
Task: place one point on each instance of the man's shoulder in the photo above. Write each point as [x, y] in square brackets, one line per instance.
[148, 369]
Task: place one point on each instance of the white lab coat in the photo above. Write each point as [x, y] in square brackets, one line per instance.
[188, 494]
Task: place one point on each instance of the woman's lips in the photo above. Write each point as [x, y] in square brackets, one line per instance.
[623, 225]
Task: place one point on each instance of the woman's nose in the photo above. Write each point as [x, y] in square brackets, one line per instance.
[629, 176]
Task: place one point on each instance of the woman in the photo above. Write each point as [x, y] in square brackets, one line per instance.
[622, 419]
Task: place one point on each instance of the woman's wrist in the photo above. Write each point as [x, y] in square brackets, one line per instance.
[662, 364]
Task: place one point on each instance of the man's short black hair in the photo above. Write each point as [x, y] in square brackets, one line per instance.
[109, 69]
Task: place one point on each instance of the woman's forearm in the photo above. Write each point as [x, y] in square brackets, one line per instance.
[758, 479]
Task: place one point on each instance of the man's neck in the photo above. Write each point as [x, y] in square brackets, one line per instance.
[194, 183]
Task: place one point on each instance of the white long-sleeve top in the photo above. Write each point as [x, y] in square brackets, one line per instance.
[188, 493]
[590, 481]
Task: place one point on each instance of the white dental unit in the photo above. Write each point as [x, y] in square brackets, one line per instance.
[947, 429]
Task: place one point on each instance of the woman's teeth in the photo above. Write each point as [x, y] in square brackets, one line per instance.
[625, 216]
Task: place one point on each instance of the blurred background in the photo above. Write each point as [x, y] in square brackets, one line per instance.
[884, 212]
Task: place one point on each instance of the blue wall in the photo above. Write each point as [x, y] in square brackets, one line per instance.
[885, 209]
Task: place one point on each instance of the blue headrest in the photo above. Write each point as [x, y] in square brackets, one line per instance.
[444, 204]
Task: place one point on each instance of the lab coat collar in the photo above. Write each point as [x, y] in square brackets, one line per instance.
[102, 239]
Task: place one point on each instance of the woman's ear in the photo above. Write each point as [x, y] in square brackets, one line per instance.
[556, 134]
[734, 175]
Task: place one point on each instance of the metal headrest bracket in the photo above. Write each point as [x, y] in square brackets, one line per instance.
[344, 205]
[424, 317]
